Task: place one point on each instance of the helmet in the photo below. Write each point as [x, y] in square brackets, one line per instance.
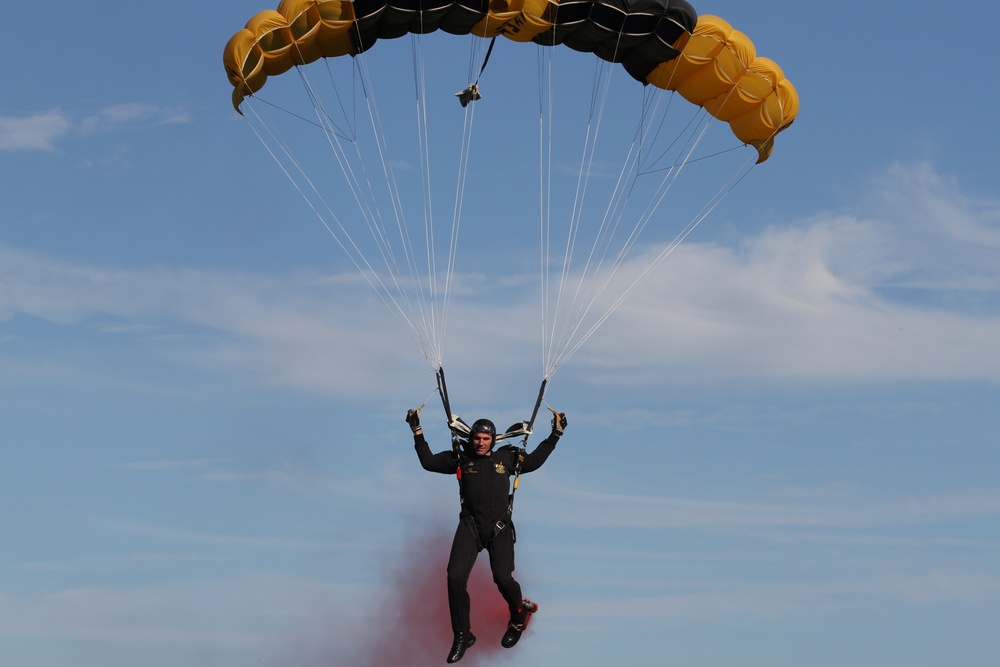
[483, 426]
[480, 426]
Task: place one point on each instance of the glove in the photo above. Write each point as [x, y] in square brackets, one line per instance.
[413, 419]
[559, 423]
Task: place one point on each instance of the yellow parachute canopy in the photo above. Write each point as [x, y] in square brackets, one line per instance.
[720, 71]
[640, 36]
[713, 66]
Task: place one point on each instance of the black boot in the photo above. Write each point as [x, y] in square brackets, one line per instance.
[463, 640]
[513, 633]
[518, 621]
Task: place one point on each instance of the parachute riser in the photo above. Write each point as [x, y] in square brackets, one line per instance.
[443, 392]
[523, 447]
[538, 405]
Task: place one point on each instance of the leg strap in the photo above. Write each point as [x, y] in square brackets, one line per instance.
[471, 523]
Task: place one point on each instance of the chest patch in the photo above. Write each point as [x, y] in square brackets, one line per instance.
[499, 467]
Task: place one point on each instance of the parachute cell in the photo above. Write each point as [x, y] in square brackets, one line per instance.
[720, 71]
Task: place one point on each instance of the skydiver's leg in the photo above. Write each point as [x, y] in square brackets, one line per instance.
[463, 557]
[502, 564]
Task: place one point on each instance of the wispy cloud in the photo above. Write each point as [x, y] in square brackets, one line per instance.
[38, 132]
[816, 509]
[900, 293]
[908, 289]
[174, 534]
[121, 115]
[166, 466]
[180, 616]
[44, 130]
[280, 328]
[687, 599]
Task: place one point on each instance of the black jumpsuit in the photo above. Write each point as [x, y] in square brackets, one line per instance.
[485, 487]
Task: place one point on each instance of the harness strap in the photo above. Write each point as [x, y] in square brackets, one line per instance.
[502, 524]
[504, 521]
[469, 521]
[517, 476]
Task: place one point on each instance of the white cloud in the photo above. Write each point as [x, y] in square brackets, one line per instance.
[687, 599]
[217, 615]
[813, 509]
[166, 466]
[817, 299]
[284, 330]
[908, 291]
[40, 131]
[120, 115]
[43, 131]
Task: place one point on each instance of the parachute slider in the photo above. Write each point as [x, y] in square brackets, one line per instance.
[470, 94]
[515, 430]
[458, 426]
[460, 429]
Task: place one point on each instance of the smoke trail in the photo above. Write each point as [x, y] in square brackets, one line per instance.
[414, 626]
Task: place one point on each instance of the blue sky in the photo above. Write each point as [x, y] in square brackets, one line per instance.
[781, 451]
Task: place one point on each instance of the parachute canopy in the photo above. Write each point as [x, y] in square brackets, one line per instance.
[667, 92]
[659, 42]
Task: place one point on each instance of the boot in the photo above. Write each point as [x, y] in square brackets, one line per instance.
[463, 640]
[518, 622]
[513, 633]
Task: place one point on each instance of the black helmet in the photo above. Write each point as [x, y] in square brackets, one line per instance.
[483, 426]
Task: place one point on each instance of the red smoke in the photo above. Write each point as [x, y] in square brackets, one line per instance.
[414, 626]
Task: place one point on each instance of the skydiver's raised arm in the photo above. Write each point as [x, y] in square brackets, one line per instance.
[442, 462]
[535, 459]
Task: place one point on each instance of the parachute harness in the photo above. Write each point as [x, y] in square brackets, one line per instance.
[459, 429]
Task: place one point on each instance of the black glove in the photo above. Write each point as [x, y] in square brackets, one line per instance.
[413, 419]
[559, 423]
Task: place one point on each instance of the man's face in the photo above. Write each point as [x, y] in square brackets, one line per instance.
[482, 443]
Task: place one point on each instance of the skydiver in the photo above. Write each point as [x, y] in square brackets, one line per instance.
[485, 521]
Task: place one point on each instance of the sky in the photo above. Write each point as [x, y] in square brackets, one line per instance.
[781, 448]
